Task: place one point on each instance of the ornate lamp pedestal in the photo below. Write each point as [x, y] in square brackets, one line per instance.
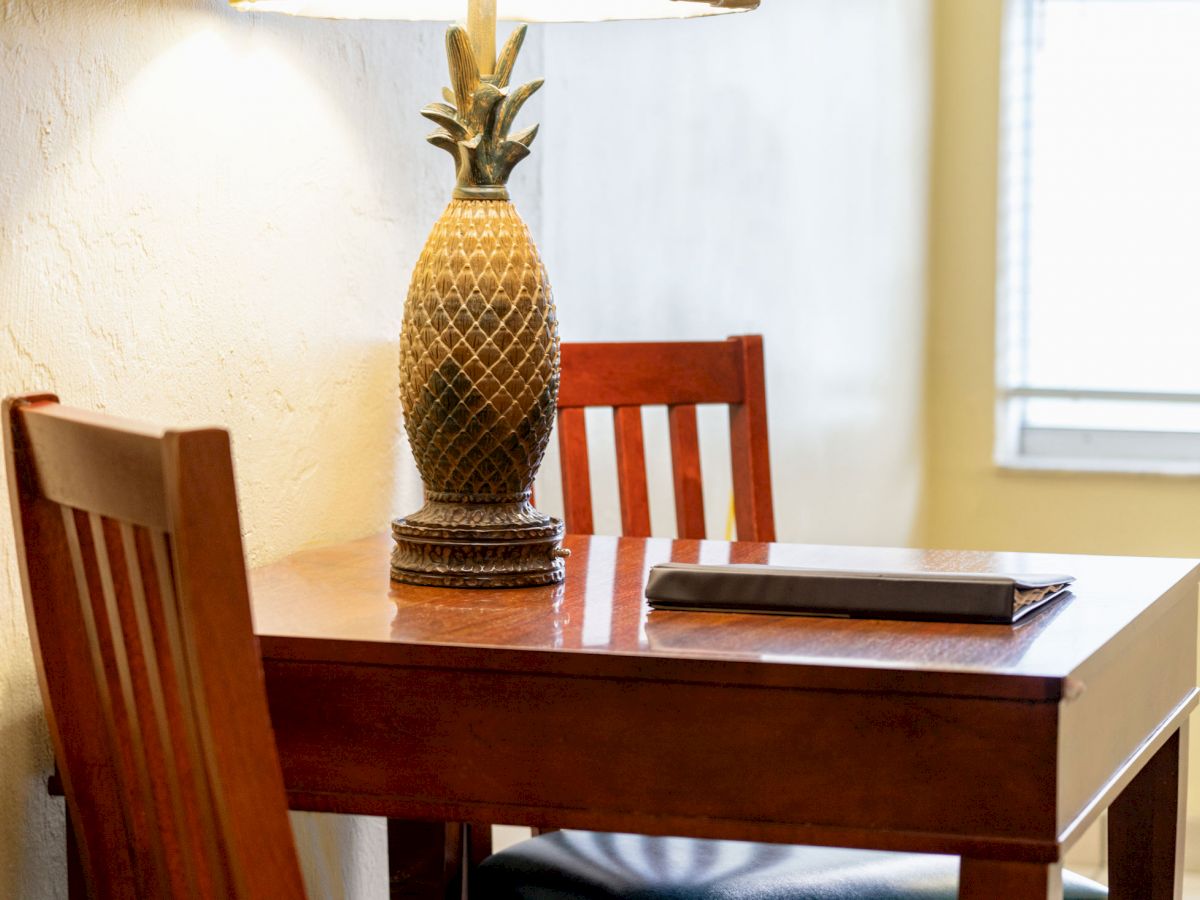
[508, 545]
[479, 346]
[479, 351]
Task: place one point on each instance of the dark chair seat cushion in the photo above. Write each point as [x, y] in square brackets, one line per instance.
[586, 865]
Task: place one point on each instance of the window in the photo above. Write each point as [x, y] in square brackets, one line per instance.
[1099, 349]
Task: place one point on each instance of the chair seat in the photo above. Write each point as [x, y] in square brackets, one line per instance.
[586, 865]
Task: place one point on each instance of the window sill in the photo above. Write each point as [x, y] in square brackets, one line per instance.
[1067, 466]
[1104, 451]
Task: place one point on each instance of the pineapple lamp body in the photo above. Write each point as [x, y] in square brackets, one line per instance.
[479, 355]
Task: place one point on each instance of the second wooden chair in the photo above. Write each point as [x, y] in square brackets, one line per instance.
[588, 865]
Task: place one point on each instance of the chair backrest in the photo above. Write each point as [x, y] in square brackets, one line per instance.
[678, 375]
[135, 586]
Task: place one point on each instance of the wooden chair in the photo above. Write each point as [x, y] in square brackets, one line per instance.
[678, 375]
[135, 586]
[595, 866]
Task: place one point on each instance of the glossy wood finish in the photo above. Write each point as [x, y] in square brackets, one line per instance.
[677, 375]
[979, 740]
[331, 603]
[135, 586]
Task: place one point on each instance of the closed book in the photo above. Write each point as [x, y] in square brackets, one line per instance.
[939, 596]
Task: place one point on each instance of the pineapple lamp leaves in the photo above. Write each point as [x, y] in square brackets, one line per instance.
[474, 123]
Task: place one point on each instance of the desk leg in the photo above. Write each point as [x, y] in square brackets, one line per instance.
[430, 860]
[989, 879]
[1146, 828]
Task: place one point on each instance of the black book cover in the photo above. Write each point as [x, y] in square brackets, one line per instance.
[939, 596]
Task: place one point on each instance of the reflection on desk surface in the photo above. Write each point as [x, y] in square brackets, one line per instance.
[343, 593]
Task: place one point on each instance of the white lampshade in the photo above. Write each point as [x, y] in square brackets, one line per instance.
[506, 10]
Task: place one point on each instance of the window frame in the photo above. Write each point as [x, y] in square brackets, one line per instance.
[1018, 444]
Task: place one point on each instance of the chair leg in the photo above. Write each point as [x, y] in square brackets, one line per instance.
[424, 860]
[479, 843]
[431, 860]
[477, 846]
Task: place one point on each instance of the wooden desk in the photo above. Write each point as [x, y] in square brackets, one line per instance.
[573, 706]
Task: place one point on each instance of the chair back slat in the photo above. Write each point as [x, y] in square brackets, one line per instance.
[194, 801]
[135, 585]
[685, 467]
[118, 709]
[650, 374]
[194, 864]
[678, 375]
[631, 471]
[753, 506]
[70, 687]
[576, 478]
[235, 727]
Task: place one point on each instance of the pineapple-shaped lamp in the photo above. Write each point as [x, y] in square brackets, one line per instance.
[479, 345]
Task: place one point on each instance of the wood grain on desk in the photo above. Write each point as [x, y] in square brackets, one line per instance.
[575, 706]
[343, 593]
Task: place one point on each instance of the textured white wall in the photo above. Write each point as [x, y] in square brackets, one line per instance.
[756, 173]
[211, 218]
[207, 217]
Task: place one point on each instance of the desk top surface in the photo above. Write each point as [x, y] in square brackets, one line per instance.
[337, 604]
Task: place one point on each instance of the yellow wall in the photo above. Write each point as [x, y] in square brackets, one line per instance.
[969, 503]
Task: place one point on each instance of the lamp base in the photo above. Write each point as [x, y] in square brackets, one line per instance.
[468, 543]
